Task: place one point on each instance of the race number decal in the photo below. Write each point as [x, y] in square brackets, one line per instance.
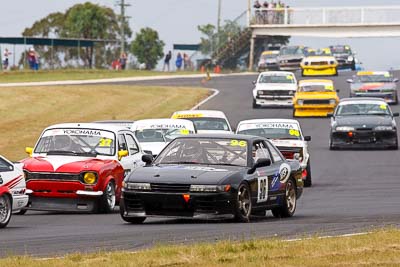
[284, 172]
[262, 194]
[105, 142]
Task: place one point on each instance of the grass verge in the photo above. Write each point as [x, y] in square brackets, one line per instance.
[380, 248]
[26, 111]
[77, 74]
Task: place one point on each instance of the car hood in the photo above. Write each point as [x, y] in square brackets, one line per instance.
[287, 143]
[316, 95]
[360, 121]
[154, 147]
[183, 174]
[341, 55]
[276, 86]
[68, 164]
[373, 86]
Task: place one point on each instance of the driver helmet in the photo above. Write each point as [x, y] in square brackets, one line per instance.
[62, 142]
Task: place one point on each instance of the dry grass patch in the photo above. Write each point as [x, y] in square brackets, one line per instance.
[26, 111]
[380, 248]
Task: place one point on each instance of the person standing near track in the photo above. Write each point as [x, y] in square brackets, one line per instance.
[167, 60]
[5, 59]
[178, 61]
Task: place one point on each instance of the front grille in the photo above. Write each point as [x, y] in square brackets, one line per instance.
[294, 60]
[276, 92]
[364, 129]
[173, 188]
[316, 102]
[288, 152]
[51, 176]
[319, 63]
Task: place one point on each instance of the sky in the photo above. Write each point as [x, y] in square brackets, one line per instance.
[176, 22]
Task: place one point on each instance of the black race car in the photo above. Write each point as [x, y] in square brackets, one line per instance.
[344, 56]
[213, 175]
[363, 123]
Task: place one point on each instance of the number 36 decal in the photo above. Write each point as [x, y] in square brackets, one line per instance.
[262, 194]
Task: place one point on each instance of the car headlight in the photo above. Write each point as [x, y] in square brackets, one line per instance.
[137, 186]
[260, 92]
[300, 102]
[306, 63]
[332, 62]
[344, 129]
[89, 178]
[210, 188]
[383, 128]
[350, 58]
[291, 92]
[332, 102]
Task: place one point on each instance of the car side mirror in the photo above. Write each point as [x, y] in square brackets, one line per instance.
[395, 80]
[337, 91]
[396, 114]
[349, 80]
[307, 138]
[329, 115]
[29, 151]
[263, 162]
[148, 159]
[149, 152]
[122, 153]
[254, 82]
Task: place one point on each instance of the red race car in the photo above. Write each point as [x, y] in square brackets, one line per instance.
[80, 167]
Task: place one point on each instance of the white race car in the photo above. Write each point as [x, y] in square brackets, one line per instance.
[12, 190]
[286, 135]
[206, 121]
[274, 88]
[155, 134]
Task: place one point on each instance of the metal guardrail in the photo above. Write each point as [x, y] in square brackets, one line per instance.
[327, 15]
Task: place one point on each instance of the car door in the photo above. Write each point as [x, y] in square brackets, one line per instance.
[135, 152]
[281, 170]
[127, 162]
[263, 175]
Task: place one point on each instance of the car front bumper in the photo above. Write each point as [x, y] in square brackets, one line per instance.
[275, 101]
[320, 71]
[313, 110]
[144, 204]
[81, 204]
[364, 139]
[388, 97]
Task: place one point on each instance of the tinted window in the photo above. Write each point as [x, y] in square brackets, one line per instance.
[122, 143]
[5, 166]
[276, 156]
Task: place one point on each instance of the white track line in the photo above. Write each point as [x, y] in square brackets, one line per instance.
[216, 92]
[117, 80]
[327, 236]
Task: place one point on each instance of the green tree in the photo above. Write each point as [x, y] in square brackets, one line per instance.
[84, 21]
[147, 47]
[208, 43]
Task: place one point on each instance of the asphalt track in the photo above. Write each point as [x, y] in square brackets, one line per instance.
[353, 191]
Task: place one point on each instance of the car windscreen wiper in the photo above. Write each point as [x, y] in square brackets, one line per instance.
[180, 162]
[61, 152]
[86, 154]
[225, 164]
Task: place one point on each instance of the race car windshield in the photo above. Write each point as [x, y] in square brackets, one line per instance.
[76, 142]
[160, 135]
[205, 152]
[340, 50]
[363, 109]
[276, 79]
[273, 133]
[210, 124]
[316, 88]
[268, 56]
[291, 51]
[384, 78]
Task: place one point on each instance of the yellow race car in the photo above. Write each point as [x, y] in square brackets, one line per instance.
[320, 64]
[315, 98]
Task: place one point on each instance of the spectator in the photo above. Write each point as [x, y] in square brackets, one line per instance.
[265, 13]
[31, 58]
[37, 61]
[178, 61]
[122, 60]
[257, 12]
[5, 60]
[166, 60]
[186, 61]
